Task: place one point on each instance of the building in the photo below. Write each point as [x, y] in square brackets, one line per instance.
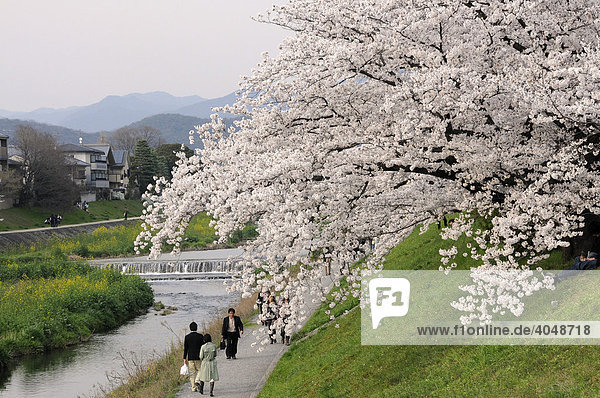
[3, 152]
[78, 170]
[118, 174]
[92, 167]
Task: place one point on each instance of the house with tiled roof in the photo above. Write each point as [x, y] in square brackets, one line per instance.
[95, 168]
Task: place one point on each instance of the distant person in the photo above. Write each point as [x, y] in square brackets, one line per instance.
[191, 354]
[208, 368]
[285, 311]
[261, 298]
[231, 330]
[86, 206]
[264, 297]
[582, 262]
[125, 214]
[585, 262]
[270, 318]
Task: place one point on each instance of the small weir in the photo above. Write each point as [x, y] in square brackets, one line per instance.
[185, 269]
[191, 265]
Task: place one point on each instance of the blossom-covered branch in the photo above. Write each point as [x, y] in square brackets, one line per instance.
[377, 116]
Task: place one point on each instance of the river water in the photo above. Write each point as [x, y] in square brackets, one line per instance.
[79, 370]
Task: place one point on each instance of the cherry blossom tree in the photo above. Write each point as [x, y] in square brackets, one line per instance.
[378, 116]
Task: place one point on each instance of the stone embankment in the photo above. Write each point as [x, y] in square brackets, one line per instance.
[34, 235]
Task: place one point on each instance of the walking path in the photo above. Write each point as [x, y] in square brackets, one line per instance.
[242, 377]
[50, 229]
[34, 235]
[246, 376]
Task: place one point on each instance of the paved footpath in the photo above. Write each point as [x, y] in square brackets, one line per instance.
[67, 226]
[34, 235]
[245, 376]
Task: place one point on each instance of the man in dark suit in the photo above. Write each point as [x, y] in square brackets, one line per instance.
[231, 330]
[191, 353]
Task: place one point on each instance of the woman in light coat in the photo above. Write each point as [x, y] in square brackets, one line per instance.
[208, 368]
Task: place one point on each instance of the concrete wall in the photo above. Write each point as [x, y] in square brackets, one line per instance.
[88, 196]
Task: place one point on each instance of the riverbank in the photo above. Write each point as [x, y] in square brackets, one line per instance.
[243, 377]
[114, 240]
[106, 359]
[160, 378]
[19, 218]
[45, 306]
[337, 365]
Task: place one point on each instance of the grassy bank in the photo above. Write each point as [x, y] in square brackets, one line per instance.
[46, 304]
[118, 241]
[160, 378]
[33, 217]
[332, 363]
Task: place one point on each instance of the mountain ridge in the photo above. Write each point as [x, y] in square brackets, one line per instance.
[115, 111]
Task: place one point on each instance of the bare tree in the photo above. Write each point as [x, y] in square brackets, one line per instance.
[46, 180]
[126, 137]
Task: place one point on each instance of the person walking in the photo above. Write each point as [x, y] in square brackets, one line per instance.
[125, 214]
[270, 317]
[263, 298]
[191, 354]
[231, 330]
[208, 368]
[260, 300]
[284, 313]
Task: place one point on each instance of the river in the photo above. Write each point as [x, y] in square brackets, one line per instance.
[79, 370]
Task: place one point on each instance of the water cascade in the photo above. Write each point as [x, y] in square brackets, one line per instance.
[179, 269]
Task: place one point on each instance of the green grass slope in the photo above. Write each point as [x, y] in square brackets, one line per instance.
[33, 217]
[332, 363]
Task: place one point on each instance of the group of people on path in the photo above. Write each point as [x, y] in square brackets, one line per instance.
[275, 316]
[53, 220]
[199, 352]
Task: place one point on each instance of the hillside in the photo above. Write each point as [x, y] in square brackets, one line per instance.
[333, 363]
[174, 127]
[203, 109]
[63, 134]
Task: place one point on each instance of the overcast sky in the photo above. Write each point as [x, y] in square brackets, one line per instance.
[61, 53]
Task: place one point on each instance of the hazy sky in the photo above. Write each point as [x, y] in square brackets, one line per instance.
[61, 53]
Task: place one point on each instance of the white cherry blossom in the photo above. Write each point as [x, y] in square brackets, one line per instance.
[378, 116]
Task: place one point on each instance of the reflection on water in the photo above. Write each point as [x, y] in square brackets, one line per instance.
[78, 370]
